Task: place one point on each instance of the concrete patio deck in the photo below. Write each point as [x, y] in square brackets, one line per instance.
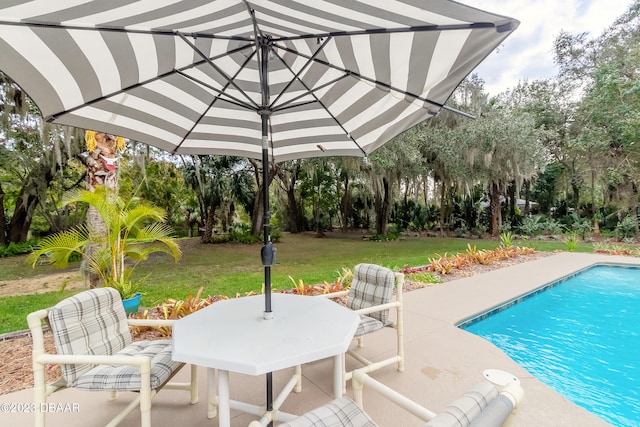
[442, 362]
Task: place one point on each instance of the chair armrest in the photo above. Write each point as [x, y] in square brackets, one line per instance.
[376, 308]
[334, 294]
[92, 359]
[360, 379]
[399, 286]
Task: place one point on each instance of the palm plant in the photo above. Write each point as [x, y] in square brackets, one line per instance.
[133, 230]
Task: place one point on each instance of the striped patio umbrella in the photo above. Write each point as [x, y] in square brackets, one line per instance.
[272, 80]
[199, 76]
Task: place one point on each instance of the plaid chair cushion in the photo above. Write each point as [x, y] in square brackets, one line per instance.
[462, 411]
[341, 412]
[91, 322]
[371, 285]
[368, 325]
[127, 378]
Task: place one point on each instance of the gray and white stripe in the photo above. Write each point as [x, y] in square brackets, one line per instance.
[344, 76]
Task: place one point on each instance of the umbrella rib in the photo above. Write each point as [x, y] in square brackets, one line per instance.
[252, 12]
[362, 77]
[215, 67]
[126, 30]
[286, 105]
[304, 67]
[500, 28]
[221, 92]
[53, 117]
[311, 93]
[228, 98]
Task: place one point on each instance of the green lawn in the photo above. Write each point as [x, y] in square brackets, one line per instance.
[227, 269]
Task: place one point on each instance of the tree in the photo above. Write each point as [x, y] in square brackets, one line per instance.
[503, 148]
[257, 213]
[158, 179]
[218, 181]
[35, 156]
[288, 178]
[604, 128]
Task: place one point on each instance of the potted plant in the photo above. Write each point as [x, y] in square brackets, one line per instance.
[129, 290]
[131, 231]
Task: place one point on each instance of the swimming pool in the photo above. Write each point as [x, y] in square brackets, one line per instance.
[581, 336]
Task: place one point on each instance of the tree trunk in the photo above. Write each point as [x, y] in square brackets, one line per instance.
[513, 202]
[102, 163]
[346, 204]
[258, 214]
[102, 169]
[443, 206]
[317, 213]
[383, 207]
[293, 211]
[188, 222]
[258, 205]
[527, 204]
[208, 225]
[3, 221]
[494, 205]
[593, 195]
[289, 180]
[25, 206]
[230, 214]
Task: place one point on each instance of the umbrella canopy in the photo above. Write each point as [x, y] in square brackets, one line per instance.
[196, 77]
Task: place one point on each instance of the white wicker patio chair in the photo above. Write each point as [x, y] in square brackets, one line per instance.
[371, 295]
[485, 405]
[96, 353]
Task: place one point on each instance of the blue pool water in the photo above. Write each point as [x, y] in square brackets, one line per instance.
[581, 337]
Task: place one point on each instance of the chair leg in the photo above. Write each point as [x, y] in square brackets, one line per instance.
[399, 326]
[145, 395]
[193, 388]
[298, 375]
[212, 393]
[344, 373]
[400, 320]
[34, 321]
[40, 394]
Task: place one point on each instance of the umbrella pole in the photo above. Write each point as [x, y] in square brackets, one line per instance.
[267, 249]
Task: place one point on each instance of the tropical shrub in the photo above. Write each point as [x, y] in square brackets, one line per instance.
[626, 228]
[14, 249]
[552, 227]
[133, 230]
[506, 239]
[581, 226]
[531, 226]
[572, 242]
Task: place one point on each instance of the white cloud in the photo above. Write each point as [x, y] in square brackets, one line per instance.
[527, 53]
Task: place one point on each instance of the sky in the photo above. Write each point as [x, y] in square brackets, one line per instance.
[527, 54]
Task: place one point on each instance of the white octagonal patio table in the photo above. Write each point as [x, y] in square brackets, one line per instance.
[233, 336]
